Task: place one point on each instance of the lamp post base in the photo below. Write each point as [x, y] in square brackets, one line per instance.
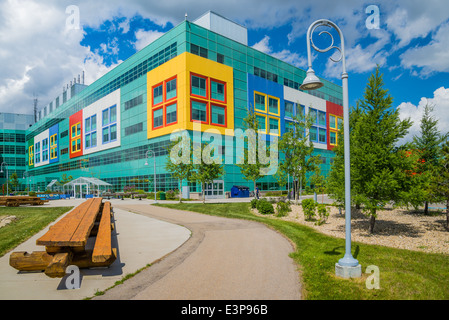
[347, 271]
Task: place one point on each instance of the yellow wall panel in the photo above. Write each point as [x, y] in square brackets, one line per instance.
[182, 66]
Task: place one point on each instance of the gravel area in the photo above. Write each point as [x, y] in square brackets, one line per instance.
[398, 228]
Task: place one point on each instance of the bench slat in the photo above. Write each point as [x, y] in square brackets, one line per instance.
[103, 246]
[62, 232]
[85, 226]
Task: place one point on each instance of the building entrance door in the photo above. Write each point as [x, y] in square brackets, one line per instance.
[214, 190]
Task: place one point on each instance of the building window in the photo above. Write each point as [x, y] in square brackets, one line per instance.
[313, 115]
[300, 110]
[199, 51]
[54, 146]
[332, 122]
[288, 109]
[158, 120]
[171, 114]
[322, 118]
[165, 110]
[30, 155]
[90, 127]
[274, 126]
[322, 135]
[45, 149]
[76, 137]
[170, 89]
[157, 94]
[313, 134]
[218, 115]
[333, 138]
[199, 111]
[208, 100]
[37, 153]
[218, 90]
[138, 127]
[265, 74]
[199, 86]
[259, 101]
[220, 58]
[273, 105]
[134, 102]
[109, 121]
[261, 122]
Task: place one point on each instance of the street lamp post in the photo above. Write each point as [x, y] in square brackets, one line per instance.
[7, 178]
[347, 267]
[154, 162]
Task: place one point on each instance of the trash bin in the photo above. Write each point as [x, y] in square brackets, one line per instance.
[239, 192]
[162, 196]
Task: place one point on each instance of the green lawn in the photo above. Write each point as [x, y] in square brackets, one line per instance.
[404, 274]
[30, 220]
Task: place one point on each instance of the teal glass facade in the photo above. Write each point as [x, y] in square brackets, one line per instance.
[83, 151]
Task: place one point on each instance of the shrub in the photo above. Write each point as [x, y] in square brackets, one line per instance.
[264, 207]
[323, 213]
[170, 195]
[309, 208]
[283, 208]
[254, 203]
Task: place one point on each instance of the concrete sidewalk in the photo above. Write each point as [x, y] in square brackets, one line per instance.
[224, 259]
[139, 240]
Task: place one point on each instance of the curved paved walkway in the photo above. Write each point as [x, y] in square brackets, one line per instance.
[223, 259]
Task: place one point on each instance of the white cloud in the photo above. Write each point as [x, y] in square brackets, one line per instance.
[144, 38]
[359, 59]
[39, 54]
[284, 55]
[440, 101]
[433, 57]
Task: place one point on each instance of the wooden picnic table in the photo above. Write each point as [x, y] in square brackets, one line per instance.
[65, 242]
[15, 201]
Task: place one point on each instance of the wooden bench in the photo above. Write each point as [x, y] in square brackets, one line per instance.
[65, 242]
[15, 201]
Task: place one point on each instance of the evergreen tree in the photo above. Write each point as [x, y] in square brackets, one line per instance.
[380, 171]
[440, 180]
[427, 145]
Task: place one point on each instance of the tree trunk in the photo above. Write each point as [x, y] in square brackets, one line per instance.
[372, 221]
[180, 191]
[426, 208]
[296, 192]
[255, 191]
[203, 193]
[447, 214]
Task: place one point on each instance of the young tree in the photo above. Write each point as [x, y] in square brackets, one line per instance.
[181, 170]
[297, 149]
[14, 181]
[427, 145]
[440, 180]
[379, 169]
[251, 165]
[206, 170]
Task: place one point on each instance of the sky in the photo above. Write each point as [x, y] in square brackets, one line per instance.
[45, 44]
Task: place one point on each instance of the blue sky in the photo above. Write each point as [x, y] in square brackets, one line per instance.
[411, 45]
